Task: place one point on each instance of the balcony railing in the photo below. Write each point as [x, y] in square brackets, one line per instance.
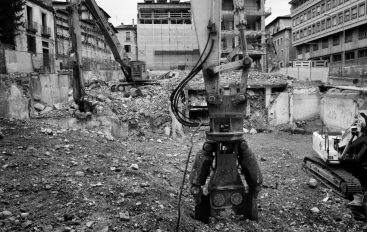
[46, 31]
[164, 15]
[31, 26]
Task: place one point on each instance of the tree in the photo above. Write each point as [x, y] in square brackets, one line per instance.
[10, 16]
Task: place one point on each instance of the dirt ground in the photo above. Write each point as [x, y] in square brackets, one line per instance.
[77, 180]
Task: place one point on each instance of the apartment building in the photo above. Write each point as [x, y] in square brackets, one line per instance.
[37, 34]
[280, 32]
[95, 51]
[331, 30]
[127, 37]
[166, 35]
[256, 14]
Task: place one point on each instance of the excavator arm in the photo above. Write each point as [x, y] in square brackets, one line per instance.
[227, 106]
[110, 37]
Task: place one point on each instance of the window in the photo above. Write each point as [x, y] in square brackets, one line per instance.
[336, 40]
[348, 36]
[322, 7]
[301, 33]
[346, 15]
[127, 48]
[322, 25]
[341, 2]
[294, 22]
[309, 30]
[328, 23]
[309, 14]
[31, 41]
[328, 5]
[307, 48]
[362, 53]
[299, 50]
[313, 12]
[313, 29]
[354, 12]
[318, 9]
[335, 3]
[335, 20]
[361, 9]
[281, 41]
[340, 16]
[337, 57]
[305, 16]
[282, 52]
[318, 27]
[128, 36]
[349, 55]
[315, 46]
[362, 32]
[325, 43]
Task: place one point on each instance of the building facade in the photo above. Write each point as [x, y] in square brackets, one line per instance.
[331, 30]
[127, 37]
[166, 35]
[256, 14]
[95, 51]
[280, 32]
[37, 35]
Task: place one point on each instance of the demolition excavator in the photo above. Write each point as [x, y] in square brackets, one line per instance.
[134, 71]
[341, 163]
[225, 160]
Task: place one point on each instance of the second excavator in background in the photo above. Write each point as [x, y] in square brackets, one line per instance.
[135, 72]
[341, 163]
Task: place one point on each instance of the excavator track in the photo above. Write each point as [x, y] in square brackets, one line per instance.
[335, 177]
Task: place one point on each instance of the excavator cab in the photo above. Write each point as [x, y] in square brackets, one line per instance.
[138, 70]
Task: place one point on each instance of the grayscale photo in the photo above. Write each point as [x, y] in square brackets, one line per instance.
[183, 115]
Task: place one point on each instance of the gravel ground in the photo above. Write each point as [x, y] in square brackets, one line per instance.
[78, 180]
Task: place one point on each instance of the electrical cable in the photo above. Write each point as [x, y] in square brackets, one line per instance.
[184, 177]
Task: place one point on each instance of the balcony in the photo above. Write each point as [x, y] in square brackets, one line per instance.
[250, 11]
[165, 15]
[46, 31]
[31, 26]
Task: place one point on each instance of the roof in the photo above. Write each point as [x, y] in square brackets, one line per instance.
[126, 27]
[42, 4]
[278, 18]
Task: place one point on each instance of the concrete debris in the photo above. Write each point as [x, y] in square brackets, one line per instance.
[5, 214]
[39, 107]
[58, 106]
[253, 131]
[89, 224]
[46, 110]
[167, 130]
[124, 216]
[134, 166]
[312, 183]
[315, 210]
[79, 173]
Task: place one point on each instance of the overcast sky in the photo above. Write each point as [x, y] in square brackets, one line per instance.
[126, 10]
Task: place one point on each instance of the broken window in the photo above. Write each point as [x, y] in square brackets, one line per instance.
[348, 36]
[127, 48]
[349, 55]
[31, 41]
